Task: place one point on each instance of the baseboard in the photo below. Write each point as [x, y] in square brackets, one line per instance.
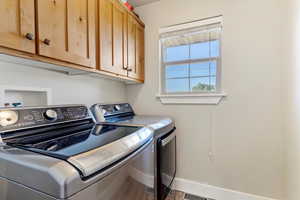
[213, 192]
[198, 189]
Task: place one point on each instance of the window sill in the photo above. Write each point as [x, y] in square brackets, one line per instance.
[205, 99]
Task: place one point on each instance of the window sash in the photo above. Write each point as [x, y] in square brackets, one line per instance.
[191, 61]
[187, 38]
[189, 77]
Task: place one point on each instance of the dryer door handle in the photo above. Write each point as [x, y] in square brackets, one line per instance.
[167, 140]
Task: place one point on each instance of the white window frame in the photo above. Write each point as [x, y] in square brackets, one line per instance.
[213, 97]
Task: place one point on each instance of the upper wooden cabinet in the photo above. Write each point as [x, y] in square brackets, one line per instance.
[67, 30]
[140, 52]
[120, 38]
[98, 36]
[121, 41]
[135, 49]
[17, 29]
[131, 45]
[106, 8]
[113, 31]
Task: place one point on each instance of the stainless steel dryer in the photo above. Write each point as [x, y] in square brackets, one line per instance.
[58, 152]
[164, 146]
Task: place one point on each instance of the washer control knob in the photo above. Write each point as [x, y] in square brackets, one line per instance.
[50, 115]
[8, 117]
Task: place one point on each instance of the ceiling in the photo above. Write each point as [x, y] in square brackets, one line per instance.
[137, 3]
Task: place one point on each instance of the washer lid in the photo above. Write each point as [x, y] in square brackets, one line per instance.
[97, 159]
[86, 146]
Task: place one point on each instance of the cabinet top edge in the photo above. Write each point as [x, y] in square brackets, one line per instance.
[132, 14]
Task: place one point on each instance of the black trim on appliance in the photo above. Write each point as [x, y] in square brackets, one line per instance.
[20, 135]
[119, 117]
[162, 190]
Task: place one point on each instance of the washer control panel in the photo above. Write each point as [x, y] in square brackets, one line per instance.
[11, 119]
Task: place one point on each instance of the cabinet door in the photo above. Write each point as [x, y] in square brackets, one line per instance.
[137, 71]
[17, 25]
[131, 44]
[113, 41]
[106, 8]
[120, 38]
[67, 30]
[140, 51]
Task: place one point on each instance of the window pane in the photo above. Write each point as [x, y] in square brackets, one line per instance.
[177, 53]
[177, 71]
[215, 48]
[213, 81]
[200, 50]
[177, 85]
[200, 69]
[213, 68]
[202, 85]
[204, 49]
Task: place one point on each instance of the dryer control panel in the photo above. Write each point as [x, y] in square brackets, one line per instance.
[111, 112]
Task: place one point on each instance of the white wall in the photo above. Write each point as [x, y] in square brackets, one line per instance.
[291, 96]
[237, 144]
[65, 89]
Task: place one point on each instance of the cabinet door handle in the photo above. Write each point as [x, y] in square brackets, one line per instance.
[130, 70]
[125, 67]
[29, 36]
[46, 42]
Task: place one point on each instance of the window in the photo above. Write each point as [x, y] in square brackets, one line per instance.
[190, 57]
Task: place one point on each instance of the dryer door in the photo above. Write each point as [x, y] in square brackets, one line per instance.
[166, 164]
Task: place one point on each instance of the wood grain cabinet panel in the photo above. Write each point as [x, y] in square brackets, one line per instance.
[120, 38]
[17, 29]
[67, 30]
[131, 45]
[136, 52]
[140, 52]
[113, 37]
[106, 8]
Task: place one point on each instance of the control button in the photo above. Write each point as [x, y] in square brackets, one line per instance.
[28, 117]
[37, 116]
[50, 115]
[117, 107]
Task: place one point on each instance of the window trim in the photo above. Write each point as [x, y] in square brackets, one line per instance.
[201, 98]
[209, 97]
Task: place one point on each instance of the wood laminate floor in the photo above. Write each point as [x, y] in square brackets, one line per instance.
[141, 192]
[176, 195]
